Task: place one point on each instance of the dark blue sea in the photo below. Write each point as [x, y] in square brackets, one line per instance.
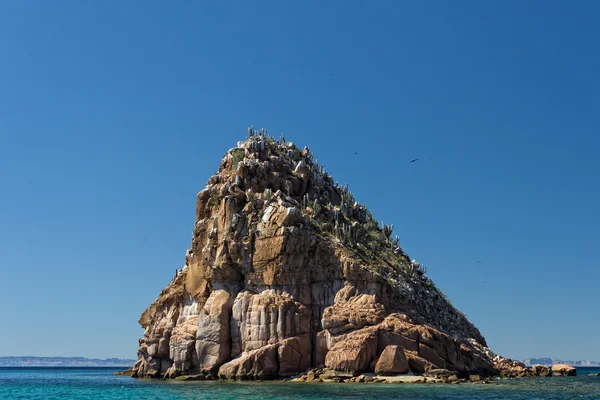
[100, 383]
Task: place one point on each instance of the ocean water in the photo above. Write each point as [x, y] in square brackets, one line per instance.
[101, 384]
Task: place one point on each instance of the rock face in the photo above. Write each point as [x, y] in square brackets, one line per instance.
[392, 361]
[563, 370]
[286, 272]
[541, 370]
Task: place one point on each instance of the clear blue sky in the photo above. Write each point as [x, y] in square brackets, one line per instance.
[114, 114]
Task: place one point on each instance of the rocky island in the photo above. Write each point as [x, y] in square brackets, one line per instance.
[289, 274]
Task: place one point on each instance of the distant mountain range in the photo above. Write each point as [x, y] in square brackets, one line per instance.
[550, 361]
[63, 362]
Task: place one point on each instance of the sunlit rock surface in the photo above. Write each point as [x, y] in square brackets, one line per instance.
[286, 272]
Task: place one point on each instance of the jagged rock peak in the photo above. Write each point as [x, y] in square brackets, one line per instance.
[269, 171]
[287, 271]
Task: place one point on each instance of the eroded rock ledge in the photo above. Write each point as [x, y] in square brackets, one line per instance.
[288, 272]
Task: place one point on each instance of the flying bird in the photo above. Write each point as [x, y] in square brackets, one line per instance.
[413, 160]
[478, 262]
[355, 153]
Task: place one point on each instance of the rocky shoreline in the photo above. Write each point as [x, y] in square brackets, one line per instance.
[439, 376]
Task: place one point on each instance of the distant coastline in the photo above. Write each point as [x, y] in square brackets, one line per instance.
[30, 361]
[549, 361]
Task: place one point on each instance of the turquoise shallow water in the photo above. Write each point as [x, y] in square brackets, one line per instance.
[100, 383]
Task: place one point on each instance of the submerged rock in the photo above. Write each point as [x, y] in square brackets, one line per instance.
[198, 377]
[287, 272]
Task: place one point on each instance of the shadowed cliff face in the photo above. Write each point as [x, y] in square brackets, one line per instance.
[287, 271]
